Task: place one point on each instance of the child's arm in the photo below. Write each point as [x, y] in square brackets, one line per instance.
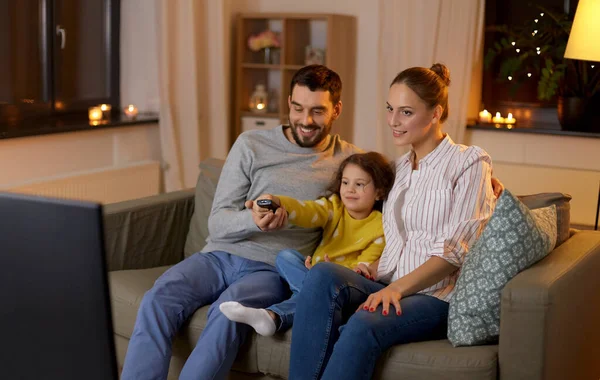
[369, 271]
[308, 214]
[372, 253]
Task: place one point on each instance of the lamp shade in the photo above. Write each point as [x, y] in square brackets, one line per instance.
[584, 40]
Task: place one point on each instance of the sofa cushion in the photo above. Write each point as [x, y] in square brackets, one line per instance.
[210, 170]
[514, 238]
[127, 288]
[563, 210]
[423, 360]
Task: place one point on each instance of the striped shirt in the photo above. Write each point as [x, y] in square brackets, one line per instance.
[438, 210]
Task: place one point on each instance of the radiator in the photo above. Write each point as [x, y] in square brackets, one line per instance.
[106, 185]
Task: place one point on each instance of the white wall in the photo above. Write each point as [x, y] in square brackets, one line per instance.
[27, 159]
[534, 163]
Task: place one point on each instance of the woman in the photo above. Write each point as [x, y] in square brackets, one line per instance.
[441, 199]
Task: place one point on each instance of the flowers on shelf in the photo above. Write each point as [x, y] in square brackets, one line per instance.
[264, 40]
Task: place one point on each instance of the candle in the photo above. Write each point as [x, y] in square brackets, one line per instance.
[131, 111]
[95, 115]
[510, 119]
[498, 118]
[485, 116]
[105, 111]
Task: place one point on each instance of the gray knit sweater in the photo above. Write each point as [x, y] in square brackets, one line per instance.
[265, 161]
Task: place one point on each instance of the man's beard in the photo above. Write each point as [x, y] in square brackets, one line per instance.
[321, 135]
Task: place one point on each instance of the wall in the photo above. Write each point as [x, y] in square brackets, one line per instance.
[27, 159]
[533, 163]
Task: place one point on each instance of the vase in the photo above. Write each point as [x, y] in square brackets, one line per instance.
[571, 112]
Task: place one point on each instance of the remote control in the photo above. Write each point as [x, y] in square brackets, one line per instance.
[268, 204]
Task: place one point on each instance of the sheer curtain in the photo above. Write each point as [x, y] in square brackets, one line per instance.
[420, 33]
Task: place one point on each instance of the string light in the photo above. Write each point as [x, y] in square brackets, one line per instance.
[518, 50]
[592, 66]
[539, 52]
[529, 75]
[541, 14]
[509, 78]
[513, 43]
[536, 20]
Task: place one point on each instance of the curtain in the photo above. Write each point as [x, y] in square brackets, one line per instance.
[421, 33]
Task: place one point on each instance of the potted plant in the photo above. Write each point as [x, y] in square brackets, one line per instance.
[536, 51]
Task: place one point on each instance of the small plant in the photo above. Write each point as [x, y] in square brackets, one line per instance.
[536, 51]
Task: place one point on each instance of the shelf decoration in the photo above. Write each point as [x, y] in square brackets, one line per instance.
[485, 117]
[268, 41]
[131, 111]
[259, 99]
[95, 115]
[314, 56]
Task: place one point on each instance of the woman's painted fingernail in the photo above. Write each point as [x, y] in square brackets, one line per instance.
[398, 313]
[365, 307]
[385, 312]
[372, 309]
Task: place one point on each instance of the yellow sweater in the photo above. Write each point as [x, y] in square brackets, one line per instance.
[346, 241]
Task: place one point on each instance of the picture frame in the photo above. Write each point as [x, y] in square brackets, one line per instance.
[314, 56]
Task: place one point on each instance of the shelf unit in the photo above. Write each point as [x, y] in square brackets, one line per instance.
[335, 34]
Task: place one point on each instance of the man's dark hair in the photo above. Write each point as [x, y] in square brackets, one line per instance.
[319, 77]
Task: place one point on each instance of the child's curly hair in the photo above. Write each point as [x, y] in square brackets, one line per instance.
[379, 168]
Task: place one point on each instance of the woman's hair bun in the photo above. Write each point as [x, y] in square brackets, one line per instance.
[442, 71]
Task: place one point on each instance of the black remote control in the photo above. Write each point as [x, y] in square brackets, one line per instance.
[268, 204]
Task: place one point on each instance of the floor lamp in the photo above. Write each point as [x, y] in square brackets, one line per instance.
[584, 43]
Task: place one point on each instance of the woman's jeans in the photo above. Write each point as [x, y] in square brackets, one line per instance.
[290, 265]
[333, 341]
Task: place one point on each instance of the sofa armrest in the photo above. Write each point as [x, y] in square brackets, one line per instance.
[147, 232]
[550, 313]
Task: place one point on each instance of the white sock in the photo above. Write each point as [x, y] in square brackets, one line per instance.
[259, 319]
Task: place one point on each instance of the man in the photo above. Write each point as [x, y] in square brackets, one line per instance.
[237, 262]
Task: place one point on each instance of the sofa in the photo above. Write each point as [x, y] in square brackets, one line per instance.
[549, 312]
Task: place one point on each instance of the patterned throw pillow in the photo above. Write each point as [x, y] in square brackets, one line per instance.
[514, 238]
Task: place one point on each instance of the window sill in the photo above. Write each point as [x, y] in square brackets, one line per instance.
[70, 123]
[538, 128]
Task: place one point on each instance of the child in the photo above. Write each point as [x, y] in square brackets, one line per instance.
[352, 234]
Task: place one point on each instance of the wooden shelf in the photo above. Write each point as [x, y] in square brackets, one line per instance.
[261, 66]
[274, 115]
[335, 34]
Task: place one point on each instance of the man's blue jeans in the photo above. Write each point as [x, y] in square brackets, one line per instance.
[290, 264]
[201, 279]
[332, 341]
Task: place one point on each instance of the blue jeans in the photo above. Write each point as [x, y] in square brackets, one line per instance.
[290, 264]
[332, 341]
[201, 279]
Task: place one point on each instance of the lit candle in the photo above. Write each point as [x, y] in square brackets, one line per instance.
[131, 111]
[95, 115]
[105, 111]
[498, 118]
[485, 116]
[510, 119]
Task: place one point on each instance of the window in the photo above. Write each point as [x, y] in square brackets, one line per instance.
[515, 13]
[57, 57]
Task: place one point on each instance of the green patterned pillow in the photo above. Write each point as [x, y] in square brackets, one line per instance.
[514, 238]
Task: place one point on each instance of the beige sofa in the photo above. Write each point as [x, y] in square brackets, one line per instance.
[549, 322]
